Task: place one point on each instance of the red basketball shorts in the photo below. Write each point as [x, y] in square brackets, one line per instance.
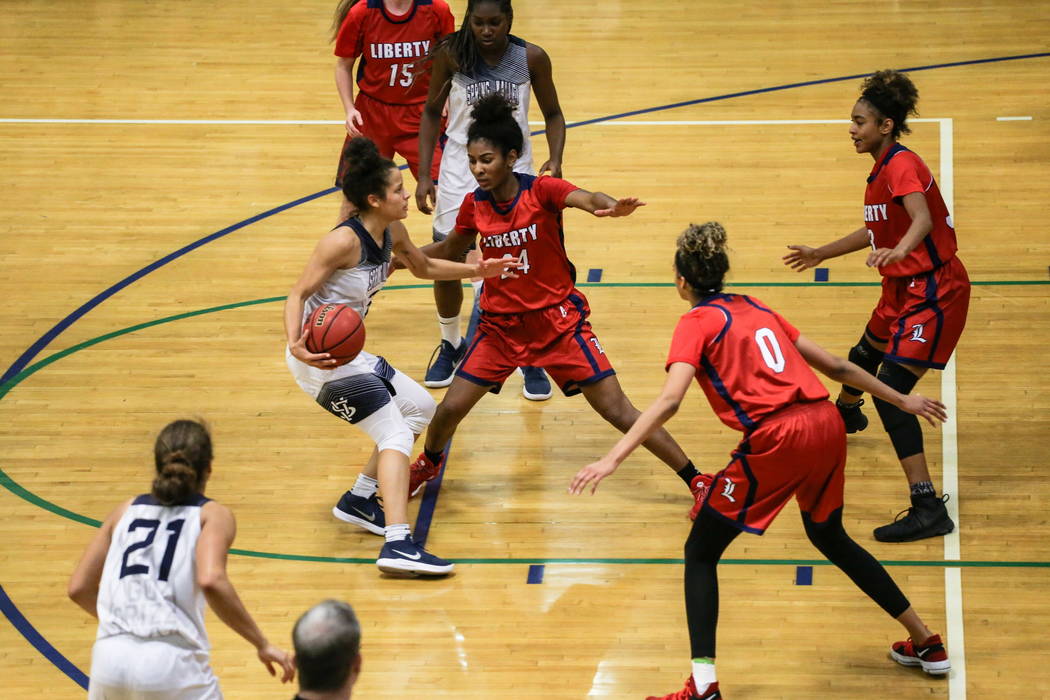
[558, 338]
[920, 318]
[394, 129]
[799, 451]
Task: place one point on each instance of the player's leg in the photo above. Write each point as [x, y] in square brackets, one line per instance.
[923, 336]
[867, 354]
[456, 181]
[417, 407]
[606, 397]
[707, 541]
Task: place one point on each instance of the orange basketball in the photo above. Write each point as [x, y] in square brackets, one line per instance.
[336, 329]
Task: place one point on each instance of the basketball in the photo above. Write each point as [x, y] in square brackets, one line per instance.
[336, 329]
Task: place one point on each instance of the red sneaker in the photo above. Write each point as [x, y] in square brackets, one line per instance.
[699, 486]
[930, 655]
[689, 692]
[420, 472]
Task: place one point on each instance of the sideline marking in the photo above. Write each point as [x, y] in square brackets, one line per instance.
[1013, 119]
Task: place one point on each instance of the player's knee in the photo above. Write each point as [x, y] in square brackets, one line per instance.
[621, 413]
[865, 355]
[419, 414]
[400, 440]
[828, 536]
[903, 428]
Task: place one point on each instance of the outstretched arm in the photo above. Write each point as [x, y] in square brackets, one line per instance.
[435, 268]
[601, 204]
[803, 257]
[218, 529]
[844, 371]
[679, 376]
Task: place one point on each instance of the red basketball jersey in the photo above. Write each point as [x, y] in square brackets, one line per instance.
[900, 172]
[528, 227]
[390, 47]
[745, 358]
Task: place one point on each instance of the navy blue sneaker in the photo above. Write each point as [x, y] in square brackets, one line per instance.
[363, 512]
[406, 558]
[443, 363]
[537, 386]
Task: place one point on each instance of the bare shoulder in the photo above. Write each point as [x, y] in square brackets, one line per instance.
[215, 512]
[535, 54]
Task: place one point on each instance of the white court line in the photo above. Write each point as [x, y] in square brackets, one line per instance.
[1013, 119]
[950, 464]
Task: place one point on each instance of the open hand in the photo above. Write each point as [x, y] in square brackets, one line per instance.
[591, 475]
[490, 267]
[931, 409]
[802, 257]
[623, 207]
[270, 655]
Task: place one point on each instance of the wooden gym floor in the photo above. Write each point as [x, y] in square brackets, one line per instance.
[111, 328]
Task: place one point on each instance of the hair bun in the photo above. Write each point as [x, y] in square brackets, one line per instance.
[493, 107]
[705, 240]
[363, 155]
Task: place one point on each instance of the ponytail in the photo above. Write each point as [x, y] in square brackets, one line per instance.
[182, 455]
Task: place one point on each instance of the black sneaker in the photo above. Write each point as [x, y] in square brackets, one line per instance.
[852, 416]
[443, 363]
[927, 517]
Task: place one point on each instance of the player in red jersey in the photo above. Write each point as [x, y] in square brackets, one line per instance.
[925, 289]
[538, 318]
[754, 368]
[391, 38]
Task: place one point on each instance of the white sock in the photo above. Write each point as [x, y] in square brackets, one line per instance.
[451, 330]
[398, 532]
[365, 486]
[703, 673]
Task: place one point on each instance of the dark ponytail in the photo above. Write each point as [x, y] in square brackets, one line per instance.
[893, 95]
[701, 258]
[182, 455]
[493, 121]
[367, 172]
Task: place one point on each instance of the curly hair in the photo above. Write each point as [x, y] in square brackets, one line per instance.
[701, 258]
[893, 96]
[493, 121]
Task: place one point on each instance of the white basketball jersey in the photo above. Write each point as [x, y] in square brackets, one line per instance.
[509, 78]
[355, 286]
[149, 584]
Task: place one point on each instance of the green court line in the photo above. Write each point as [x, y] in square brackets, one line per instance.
[23, 493]
[18, 490]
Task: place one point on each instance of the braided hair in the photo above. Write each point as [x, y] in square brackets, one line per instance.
[893, 96]
[367, 172]
[461, 47]
[701, 258]
[182, 455]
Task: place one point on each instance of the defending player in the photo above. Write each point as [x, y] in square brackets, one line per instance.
[483, 57]
[146, 574]
[925, 289]
[753, 366]
[388, 40]
[350, 266]
[538, 318]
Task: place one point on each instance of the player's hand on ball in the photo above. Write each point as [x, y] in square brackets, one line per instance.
[802, 257]
[490, 267]
[591, 475]
[320, 360]
[623, 207]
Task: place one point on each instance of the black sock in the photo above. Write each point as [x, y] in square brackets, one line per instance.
[688, 473]
[434, 457]
[923, 488]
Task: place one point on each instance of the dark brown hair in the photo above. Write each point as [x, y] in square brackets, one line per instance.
[701, 258]
[893, 96]
[182, 455]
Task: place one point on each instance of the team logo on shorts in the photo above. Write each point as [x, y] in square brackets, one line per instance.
[727, 491]
[344, 410]
[916, 333]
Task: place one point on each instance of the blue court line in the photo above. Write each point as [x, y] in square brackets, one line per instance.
[429, 503]
[59, 327]
[20, 623]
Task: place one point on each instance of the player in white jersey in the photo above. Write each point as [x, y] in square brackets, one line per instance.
[481, 58]
[147, 573]
[350, 265]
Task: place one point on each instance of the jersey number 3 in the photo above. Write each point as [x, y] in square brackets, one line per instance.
[770, 349]
[174, 528]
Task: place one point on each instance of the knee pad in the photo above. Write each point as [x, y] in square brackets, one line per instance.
[867, 357]
[903, 428]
